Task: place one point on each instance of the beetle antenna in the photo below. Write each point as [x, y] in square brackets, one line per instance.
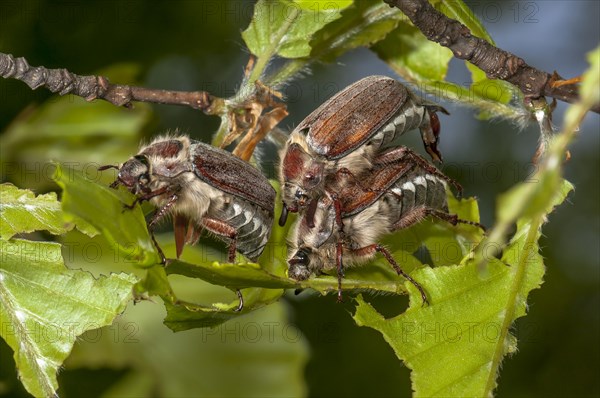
[108, 166]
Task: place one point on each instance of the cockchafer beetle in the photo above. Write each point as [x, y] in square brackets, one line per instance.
[202, 187]
[399, 191]
[344, 134]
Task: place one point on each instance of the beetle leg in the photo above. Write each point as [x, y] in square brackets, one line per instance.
[416, 215]
[337, 206]
[148, 196]
[160, 213]
[193, 233]
[430, 131]
[163, 259]
[241, 300]
[411, 218]
[453, 219]
[340, 269]
[221, 228]
[372, 249]
[435, 171]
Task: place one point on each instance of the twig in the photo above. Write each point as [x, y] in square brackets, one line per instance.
[495, 62]
[63, 82]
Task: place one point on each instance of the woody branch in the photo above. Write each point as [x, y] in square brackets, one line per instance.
[63, 82]
[495, 62]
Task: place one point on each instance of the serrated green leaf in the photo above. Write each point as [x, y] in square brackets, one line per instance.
[231, 275]
[543, 186]
[413, 56]
[45, 306]
[265, 289]
[156, 283]
[22, 212]
[462, 325]
[469, 315]
[184, 316]
[285, 27]
[362, 24]
[590, 84]
[104, 208]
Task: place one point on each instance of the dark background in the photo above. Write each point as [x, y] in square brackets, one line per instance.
[196, 45]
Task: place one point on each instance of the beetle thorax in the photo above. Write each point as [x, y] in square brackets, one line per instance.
[195, 198]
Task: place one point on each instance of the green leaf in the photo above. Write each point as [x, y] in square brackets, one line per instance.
[413, 56]
[469, 316]
[361, 25]
[591, 79]
[104, 208]
[285, 27]
[231, 275]
[45, 306]
[266, 287]
[156, 283]
[266, 281]
[184, 315]
[22, 212]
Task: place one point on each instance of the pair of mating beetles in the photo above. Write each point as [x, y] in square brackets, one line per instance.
[347, 190]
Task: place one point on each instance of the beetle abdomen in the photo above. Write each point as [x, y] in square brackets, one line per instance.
[408, 117]
[253, 226]
[418, 190]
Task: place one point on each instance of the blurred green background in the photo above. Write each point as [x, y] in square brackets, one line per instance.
[305, 345]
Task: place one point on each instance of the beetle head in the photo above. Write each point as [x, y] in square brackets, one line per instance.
[134, 175]
[302, 177]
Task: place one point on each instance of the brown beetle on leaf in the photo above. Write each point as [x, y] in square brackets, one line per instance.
[344, 134]
[202, 187]
[404, 189]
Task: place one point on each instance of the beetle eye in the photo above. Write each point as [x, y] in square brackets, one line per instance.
[299, 194]
[143, 179]
[142, 159]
